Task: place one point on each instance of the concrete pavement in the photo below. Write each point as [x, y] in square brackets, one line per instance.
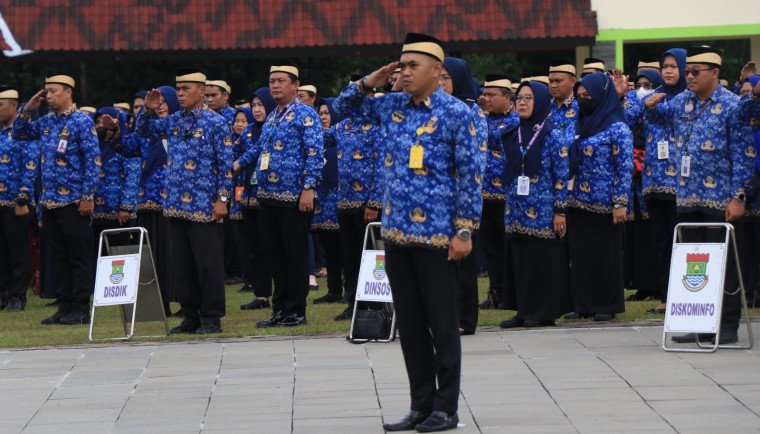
[560, 380]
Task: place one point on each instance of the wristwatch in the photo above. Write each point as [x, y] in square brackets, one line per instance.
[618, 205]
[223, 198]
[464, 234]
[740, 196]
[308, 186]
[21, 201]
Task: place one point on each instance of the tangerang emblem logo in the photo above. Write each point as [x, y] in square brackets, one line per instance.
[696, 271]
[117, 271]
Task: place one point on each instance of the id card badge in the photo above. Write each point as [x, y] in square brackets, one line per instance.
[239, 193]
[571, 184]
[415, 157]
[264, 162]
[523, 185]
[685, 166]
[62, 145]
[166, 145]
[255, 177]
[663, 152]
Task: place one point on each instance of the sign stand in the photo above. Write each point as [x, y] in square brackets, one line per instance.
[373, 286]
[126, 277]
[695, 298]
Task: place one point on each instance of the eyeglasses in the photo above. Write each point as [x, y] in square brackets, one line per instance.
[695, 72]
[526, 98]
[645, 85]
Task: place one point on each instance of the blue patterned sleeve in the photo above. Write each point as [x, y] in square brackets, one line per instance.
[560, 168]
[24, 128]
[130, 146]
[131, 175]
[251, 154]
[31, 156]
[622, 161]
[662, 111]
[377, 181]
[88, 142]
[741, 148]
[222, 142]
[469, 199]
[481, 125]
[633, 108]
[749, 110]
[314, 152]
[148, 125]
[362, 110]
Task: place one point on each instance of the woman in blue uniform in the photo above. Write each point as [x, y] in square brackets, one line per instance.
[535, 172]
[601, 167]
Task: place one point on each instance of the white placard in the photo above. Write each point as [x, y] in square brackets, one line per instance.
[116, 280]
[695, 288]
[373, 280]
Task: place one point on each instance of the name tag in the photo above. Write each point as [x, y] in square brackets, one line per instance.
[663, 152]
[415, 157]
[264, 162]
[166, 145]
[571, 184]
[62, 145]
[523, 185]
[238, 193]
[685, 166]
[255, 178]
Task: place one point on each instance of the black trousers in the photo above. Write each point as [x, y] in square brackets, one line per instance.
[751, 260]
[198, 268]
[332, 245]
[468, 290]
[69, 240]
[662, 221]
[732, 309]
[255, 269]
[232, 263]
[425, 297]
[493, 243]
[283, 234]
[15, 256]
[352, 227]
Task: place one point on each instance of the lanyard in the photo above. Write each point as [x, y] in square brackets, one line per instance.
[693, 119]
[277, 121]
[523, 149]
[190, 127]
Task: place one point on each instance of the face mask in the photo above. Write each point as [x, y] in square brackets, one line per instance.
[101, 132]
[643, 93]
[586, 106]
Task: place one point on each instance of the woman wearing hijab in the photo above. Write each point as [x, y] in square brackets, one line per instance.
[601, 166]
[535, 174]
[456, 80]
[325, 221]
[751, 254]
[151, 192]
[256, 276]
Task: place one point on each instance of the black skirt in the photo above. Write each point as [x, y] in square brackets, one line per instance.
[540, 284]
[596, 261]
[158, 233]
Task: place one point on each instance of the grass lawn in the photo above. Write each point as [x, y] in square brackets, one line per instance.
[23, 329]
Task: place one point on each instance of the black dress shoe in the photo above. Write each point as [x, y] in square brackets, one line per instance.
[246, 288]
[438, 421]
[346, 314]
[15, 305]
[465, 332]
[327, 298]
[54, 319]
[272, 321]
[313, 287]
[536, 323]
[692, 338]
[604, 316]
[187, 326]
[292, 320]
[254, 304]
[512, 323]
[208, 328]
[408, 422]
[572, 315]
[75, 317]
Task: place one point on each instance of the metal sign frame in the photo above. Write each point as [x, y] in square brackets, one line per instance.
[730, 247]
[376, 244]
[148, 305]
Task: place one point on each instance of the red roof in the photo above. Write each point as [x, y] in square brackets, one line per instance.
[354, 26]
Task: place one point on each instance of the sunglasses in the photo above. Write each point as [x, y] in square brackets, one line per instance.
[695, 72]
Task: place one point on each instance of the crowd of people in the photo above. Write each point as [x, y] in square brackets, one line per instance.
[570, 185]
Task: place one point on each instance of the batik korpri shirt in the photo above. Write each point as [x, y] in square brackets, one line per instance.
[360, 165]
[151, 187]
[292, 140]
[533, 215]
[424, 206]
[18, 167]
[199, 161]
[117, 187]
[564, 117]
[69, 155]
[721, 150]
[493, 188]
[605, 172]
[749, 114]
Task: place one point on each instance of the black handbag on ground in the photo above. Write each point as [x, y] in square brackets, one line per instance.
[371, 324]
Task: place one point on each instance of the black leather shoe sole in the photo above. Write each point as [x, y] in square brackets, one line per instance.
[186, 328]
[438, 421]
[292, 321]
[53, 319]
[512, 323]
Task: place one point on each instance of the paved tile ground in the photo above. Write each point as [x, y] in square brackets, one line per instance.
[560, 380]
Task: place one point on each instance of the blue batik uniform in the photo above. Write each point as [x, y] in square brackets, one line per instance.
[633, 108]
[721, 149]
[493, 188]
[424, 206]
[250, 175]
[750, 115]
[117, 187]
[533, 215]
[151, 185]
[238, 148]
[18, 168]
[606, 169]
[228, 113]
[326, 211]
[481, 128]
[70, 175]
[564, 115]
[360, 165]
[199, 160]
[293, 139]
